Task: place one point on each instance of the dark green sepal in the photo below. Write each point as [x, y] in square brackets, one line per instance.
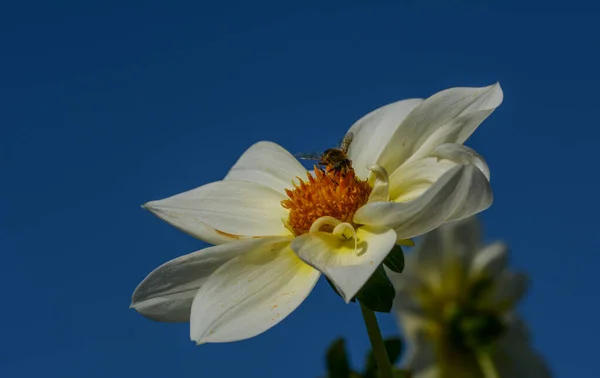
[378, 292]
[395, 260]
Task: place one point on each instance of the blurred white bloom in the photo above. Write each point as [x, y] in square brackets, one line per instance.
[274, 233]
[455, 300]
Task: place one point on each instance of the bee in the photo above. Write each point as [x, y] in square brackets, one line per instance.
[333, 159]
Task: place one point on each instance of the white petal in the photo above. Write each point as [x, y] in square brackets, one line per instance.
[421, 358]
[411, 180]
[449, 116]
[463, 235]
[515, 357]
[462, 155]
[478, 198]
[460, 192]
[411, 291]
[250, 294]
[337, 258]
[373, 131]
[446, 253]
[521, 361]
[268, 164]
[166, 294]
[425, 263]
[381, 187]
[507, 290]
[224, 211]
[490, 261]
[406, 300]
[517, 331]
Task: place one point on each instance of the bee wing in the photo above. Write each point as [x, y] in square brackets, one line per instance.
[308, 155]
[345, 144]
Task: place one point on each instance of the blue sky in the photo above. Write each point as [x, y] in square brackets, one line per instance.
[106, 106]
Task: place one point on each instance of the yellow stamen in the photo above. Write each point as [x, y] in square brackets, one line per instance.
[336, 194]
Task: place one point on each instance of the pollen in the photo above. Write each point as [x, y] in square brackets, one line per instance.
[333, 193]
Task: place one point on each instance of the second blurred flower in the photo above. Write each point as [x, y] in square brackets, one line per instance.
[455, 302]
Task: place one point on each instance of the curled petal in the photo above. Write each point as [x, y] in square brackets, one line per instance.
[268, 164]
[411, 180]
[460, 192]
[224, 211]
[346, 231]
[381, 188]
[166, 294]
[449, 116]
[462, 155]
[337, 258]
[250, 294]
[324, 221]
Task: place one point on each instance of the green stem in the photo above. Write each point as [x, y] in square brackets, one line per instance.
[487, 365]
[381, 357]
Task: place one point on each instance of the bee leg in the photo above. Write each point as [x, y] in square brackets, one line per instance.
[321, 165]
[333, 169]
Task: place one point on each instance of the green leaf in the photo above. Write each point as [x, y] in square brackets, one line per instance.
[337, 360]
[378, 293]
[393, 347]
[395, 259]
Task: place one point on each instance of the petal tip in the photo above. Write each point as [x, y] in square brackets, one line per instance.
[150, 206]
[196, 338]
[496, 89]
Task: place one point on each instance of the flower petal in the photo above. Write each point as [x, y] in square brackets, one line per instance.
[224, 211]
[268, 164]
[521, 361]
[446, 253]
[515, 357]
[337, 258]
[250, 294]
[490, 261]
[166, 294]
[449, 116]
[462, 155]
[381, 186]
[424, 267]
[508, 289]
[411, 180]
[373, 131]
[460, 192]
[421, 358]
[463, 236]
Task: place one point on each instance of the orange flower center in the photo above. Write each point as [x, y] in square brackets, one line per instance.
[337, 194]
